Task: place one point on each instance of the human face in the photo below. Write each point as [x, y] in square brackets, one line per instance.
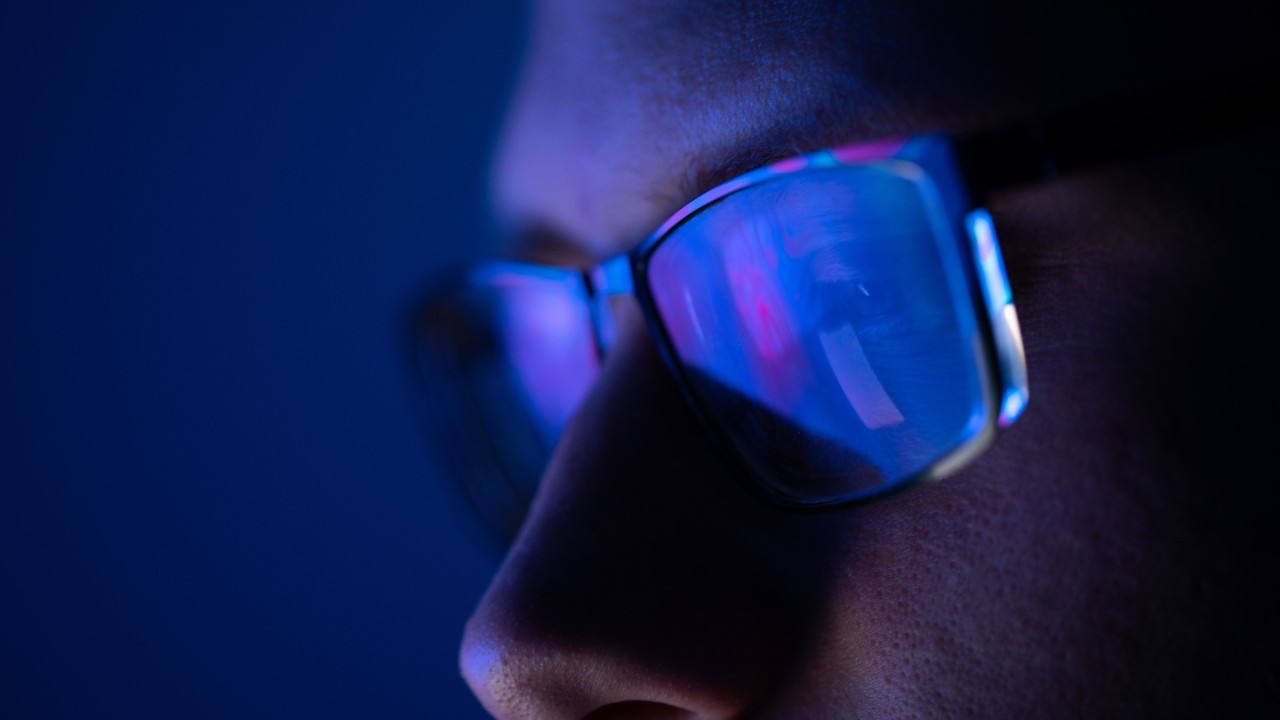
[1053, 577]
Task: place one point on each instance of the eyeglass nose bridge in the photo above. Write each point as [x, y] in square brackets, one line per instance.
[610, 279]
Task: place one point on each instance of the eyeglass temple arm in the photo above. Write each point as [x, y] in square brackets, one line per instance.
[1136, 126]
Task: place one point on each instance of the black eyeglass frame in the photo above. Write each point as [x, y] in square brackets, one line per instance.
[989, 162]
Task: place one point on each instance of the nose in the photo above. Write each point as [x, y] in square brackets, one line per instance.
[648, 580]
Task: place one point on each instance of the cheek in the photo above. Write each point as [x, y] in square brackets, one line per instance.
[993, 589]
[1054, 567]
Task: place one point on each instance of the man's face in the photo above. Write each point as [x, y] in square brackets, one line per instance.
[1054, 575]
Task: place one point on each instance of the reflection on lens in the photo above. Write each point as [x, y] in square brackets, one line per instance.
[783, 450]
[507, 358]
[825, 329]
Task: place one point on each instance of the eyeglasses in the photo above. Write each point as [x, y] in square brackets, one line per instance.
[840, 322]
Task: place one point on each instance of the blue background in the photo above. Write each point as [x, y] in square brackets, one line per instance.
[214, 498]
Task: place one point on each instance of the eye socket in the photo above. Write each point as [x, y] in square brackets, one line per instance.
[864, 304]
[853, 283]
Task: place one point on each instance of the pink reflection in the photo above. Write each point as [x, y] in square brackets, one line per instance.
[760, 304]
[751, 265]
[878, 150]
[790, 165]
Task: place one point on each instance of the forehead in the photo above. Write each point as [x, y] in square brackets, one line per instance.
[628, 109]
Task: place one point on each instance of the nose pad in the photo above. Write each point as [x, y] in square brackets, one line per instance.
[648, 578]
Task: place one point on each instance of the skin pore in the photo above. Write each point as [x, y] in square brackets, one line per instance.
[1107, 557]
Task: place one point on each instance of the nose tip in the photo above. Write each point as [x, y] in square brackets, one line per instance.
[596, 628]
[533, 681]
[480, 661]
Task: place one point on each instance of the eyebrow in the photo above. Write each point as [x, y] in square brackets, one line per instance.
[769, 146]
[536, 242]
[1044, 147]
[540, 244]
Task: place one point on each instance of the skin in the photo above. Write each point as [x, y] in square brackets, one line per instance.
[1110, 556]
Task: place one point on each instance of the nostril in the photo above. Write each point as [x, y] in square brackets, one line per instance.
[638, 710]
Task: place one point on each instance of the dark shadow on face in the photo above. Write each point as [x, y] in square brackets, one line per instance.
[646, 555]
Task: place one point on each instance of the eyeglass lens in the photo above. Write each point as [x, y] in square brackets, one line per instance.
[509, 358]
[824, 329]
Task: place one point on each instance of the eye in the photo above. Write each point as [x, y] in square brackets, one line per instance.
[872, 301]
[849, 288]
